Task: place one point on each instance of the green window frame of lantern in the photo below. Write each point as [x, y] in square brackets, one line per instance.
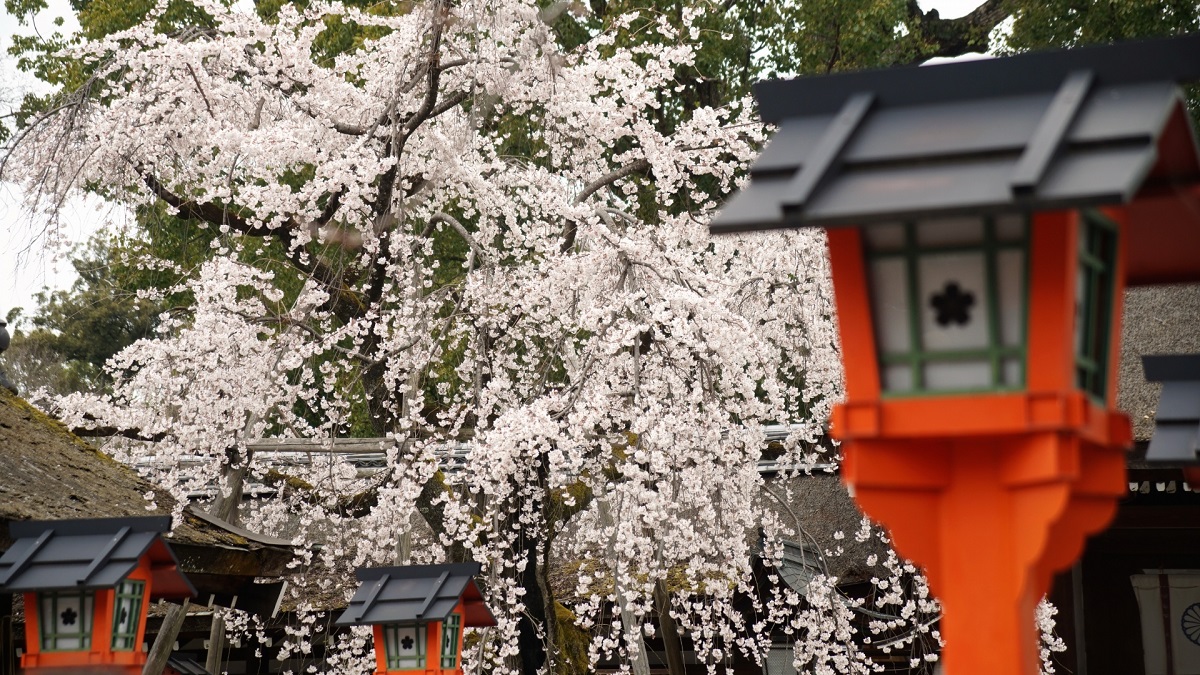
[1094, 302]
[450, 629]
[65, 620]
[127, 614]
[393, 638]
[900, 258]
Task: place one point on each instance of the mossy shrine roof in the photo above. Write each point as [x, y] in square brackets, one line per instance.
[90, 554]
[1039, 131]
[417, 594]
[51, 474]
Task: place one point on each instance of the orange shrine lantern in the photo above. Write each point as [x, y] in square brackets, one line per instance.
[87, 585]
[983, 221]
[418, 613]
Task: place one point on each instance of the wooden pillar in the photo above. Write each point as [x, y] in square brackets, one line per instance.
[164, 642]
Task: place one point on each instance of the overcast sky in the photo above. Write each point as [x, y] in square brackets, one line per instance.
[25, 265]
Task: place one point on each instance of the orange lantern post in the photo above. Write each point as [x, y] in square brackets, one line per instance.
[418, 613]
[983, 220]
[87, 585]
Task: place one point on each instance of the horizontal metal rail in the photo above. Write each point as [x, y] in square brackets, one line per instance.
[369, 457]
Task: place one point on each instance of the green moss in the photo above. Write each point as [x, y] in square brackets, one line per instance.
[41, 419]
[276, 478]
[572, 643]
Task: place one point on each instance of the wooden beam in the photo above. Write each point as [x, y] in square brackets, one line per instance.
[164, 642]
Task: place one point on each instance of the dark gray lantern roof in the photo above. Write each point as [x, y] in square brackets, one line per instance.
[1177, 422]
[90, 554]
[1037, 131]
[417, 594]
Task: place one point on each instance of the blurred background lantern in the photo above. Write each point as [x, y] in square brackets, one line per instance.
[418, 613]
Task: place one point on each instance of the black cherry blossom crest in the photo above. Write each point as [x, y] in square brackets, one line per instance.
[952, 305]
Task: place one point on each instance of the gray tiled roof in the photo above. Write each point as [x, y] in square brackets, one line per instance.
[416, 594]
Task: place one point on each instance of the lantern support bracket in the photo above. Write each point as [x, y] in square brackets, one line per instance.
[433, 591]
[823, 157]
[104, 556]
[1051, 132]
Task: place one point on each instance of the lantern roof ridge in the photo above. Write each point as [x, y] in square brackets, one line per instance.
[87, 554]
[1172, 59]
[77, 526]
[1070, 129]
[417, 594]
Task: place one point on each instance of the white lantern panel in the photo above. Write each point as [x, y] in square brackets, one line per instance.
[66, 621]
[885, 237]
[897, 377]
[1012, 371]
[889, 288]
[950, 232]
[407, 641]
[405, 646]
[955, 375]
[954, 302]
[1010, 280]
[127, 610]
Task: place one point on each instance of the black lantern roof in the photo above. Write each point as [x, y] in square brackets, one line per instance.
[1177, 421]
[1045, 130]
[90, 554]
[417, 594]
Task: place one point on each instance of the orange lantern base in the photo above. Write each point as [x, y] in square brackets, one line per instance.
[990, 521]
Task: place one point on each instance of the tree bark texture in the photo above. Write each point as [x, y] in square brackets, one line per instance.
[668, 629]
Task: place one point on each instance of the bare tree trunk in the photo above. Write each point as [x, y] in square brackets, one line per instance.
[629, 621]
[669, 630]
[225, 507]
[549, 610]
[164, 642]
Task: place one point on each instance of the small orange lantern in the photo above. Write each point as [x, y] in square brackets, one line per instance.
[983, 219]
[419, 613]
[87, 586]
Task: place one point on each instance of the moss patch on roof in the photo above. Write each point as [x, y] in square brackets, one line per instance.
[51, 474]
